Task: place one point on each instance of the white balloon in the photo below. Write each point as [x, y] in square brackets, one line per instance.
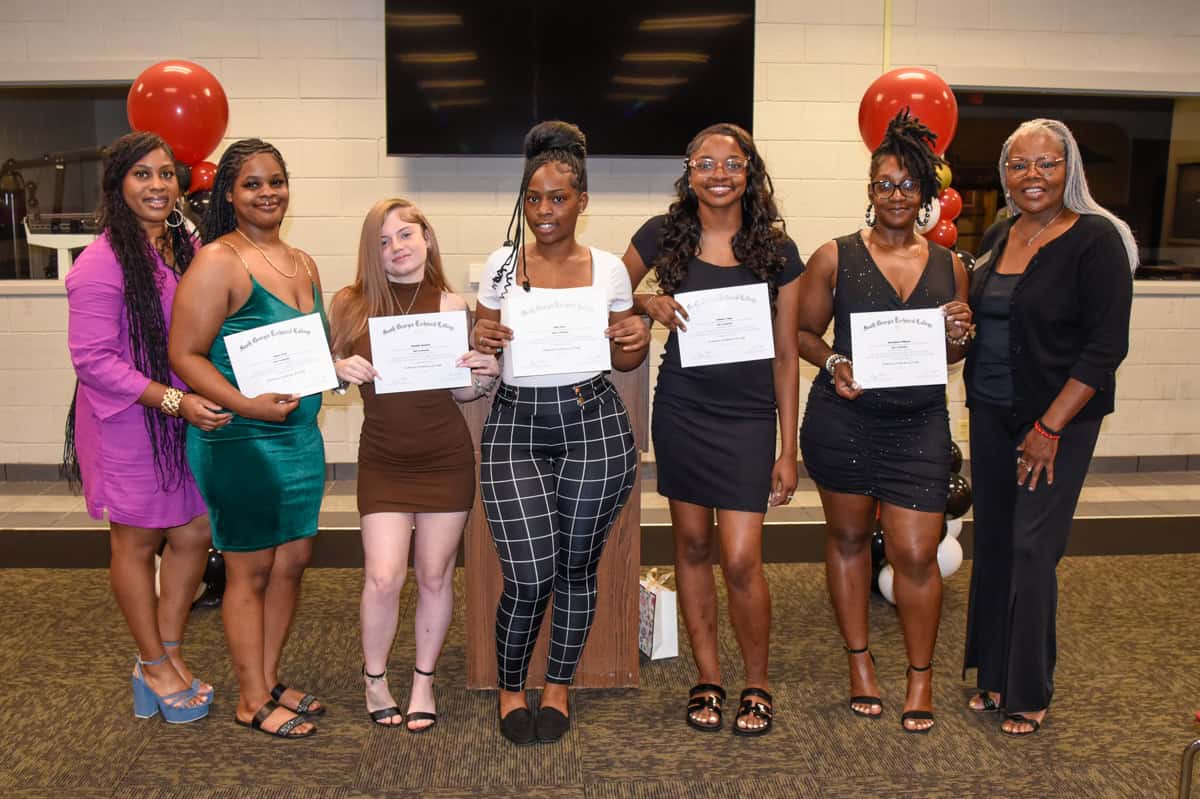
[887, 577]
[953, 528]
[935, 213]
[949, 556]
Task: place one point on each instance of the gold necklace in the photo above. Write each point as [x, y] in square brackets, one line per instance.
[1029, 240]
[295, 266]
[413, 301]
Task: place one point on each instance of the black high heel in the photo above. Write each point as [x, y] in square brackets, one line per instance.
[379, 716]
[864, 700]
[917, 715]
[420, 715]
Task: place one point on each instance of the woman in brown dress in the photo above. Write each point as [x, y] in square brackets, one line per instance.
[416, 464]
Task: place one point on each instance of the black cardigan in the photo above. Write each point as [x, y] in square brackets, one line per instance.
[1069, 315]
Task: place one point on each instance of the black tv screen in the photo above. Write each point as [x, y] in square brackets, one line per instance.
[640, 78]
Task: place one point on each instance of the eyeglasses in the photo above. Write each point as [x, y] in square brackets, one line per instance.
[1043, 166]
[886, 188]
[734, 166]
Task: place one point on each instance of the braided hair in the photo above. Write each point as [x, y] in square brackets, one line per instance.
[220, 218]
[546, 142]
[911, 142]
[138, 257]
[758, 245]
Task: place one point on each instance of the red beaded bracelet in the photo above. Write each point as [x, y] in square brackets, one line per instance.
[1045, 431]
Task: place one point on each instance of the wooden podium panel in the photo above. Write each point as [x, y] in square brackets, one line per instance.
[610, 659]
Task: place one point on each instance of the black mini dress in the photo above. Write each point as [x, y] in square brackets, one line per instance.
[893, 443]
[714, 426]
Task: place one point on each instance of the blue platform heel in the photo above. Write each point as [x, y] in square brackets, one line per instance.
[196, 684]
[146, 703]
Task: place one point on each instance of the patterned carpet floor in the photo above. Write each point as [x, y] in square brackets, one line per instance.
[1128, 682]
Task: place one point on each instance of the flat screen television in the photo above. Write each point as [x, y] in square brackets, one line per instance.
[640, 78]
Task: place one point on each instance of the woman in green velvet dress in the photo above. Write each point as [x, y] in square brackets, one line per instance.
[262, 474]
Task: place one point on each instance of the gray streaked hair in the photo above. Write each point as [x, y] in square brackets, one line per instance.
[1075, 194]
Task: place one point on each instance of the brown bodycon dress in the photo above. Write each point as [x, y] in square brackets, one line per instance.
[415, 453]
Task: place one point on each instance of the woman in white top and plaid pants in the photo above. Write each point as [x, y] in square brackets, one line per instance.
[557, 459]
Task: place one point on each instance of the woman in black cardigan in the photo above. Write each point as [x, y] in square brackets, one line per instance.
[1051, 294]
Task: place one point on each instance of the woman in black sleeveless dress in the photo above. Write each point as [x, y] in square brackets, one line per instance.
[889, 447]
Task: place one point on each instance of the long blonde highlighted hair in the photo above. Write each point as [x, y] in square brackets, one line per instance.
[370, 294]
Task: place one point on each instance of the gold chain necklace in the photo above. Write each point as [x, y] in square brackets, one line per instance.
[413, 301]
[295, 266]
[1029, 240]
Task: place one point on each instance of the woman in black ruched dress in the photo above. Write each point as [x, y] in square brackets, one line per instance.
[887, 447]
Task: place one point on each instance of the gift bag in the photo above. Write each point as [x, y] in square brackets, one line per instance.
[658, 628]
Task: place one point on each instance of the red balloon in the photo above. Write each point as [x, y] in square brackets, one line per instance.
[951, 202]
[203, 174]
[944, 233]
[182, 102]
[926, 95]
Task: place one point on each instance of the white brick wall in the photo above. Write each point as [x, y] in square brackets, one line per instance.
[309, 74]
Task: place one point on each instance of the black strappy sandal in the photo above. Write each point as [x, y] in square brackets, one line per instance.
[749, 707]
[380, 716]
[1017, 718]
[420, 715]
[986, 703]
[284, 730]
[864, 700]
[303, 707]
[917, 715]
[704, 696]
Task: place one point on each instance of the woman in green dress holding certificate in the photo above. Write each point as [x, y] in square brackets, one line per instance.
[889, 446]
[263, 474]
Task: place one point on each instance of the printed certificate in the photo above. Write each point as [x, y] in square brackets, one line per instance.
[289, 357]
[896, 349]
[726, 325]
[417, 352]
[556, 330]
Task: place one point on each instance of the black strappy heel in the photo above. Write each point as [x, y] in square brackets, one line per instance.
[380, 716]
[917, 715]
[420, 715]
[864, 700]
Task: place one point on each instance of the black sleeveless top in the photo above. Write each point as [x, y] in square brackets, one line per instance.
[862, 287]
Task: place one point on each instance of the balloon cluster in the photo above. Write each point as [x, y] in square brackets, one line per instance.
[929, 99]
[184, 104]
[949, 551]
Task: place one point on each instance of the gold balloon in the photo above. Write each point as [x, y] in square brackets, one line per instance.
[943, 176]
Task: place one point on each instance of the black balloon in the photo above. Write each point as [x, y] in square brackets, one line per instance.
[214, 570]
[955, 457]
[878, 557]
[197, 203]
[967, 259]
[959, 500]
[183, 176]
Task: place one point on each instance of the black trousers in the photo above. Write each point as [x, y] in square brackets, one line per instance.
[1020, 536]
[556, 466]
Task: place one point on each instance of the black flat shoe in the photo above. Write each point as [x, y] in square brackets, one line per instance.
[751, 707]
[304, 707]
[986, 703]
[1017, 718]
[551, 724]
[705, 696]
[518, 727]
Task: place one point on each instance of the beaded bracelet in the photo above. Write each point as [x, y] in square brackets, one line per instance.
[964, 339]
[833, 360]
[1046, 432]
[171, 399]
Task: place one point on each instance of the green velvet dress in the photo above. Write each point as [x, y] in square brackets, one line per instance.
[262, 481]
